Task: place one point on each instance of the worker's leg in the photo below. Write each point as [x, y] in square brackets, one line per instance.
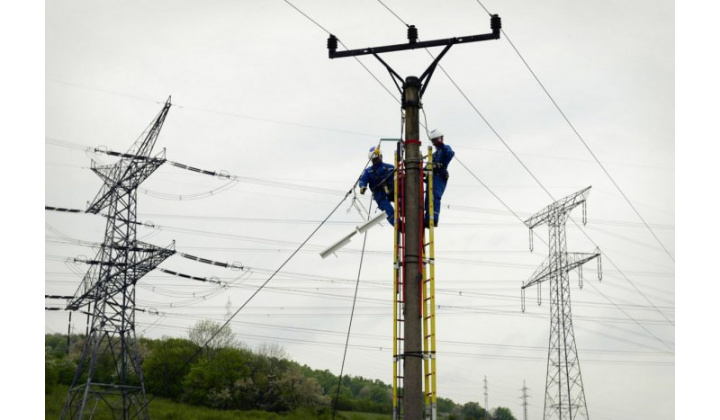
[439, 185]
[385, 205]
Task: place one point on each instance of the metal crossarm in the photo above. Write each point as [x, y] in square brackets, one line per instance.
[495, 26]
[562, 206]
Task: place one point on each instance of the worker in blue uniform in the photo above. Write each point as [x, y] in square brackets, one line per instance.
[441, 159]
[380, 178]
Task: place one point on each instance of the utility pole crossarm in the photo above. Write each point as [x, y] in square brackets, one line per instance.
[495, 25]
[564, 205]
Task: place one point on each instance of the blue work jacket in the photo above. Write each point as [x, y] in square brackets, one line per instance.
[377, 175]
[441, 159]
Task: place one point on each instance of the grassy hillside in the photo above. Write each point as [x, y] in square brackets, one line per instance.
[163, 409]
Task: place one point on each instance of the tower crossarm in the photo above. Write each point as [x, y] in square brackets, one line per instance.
[150, 257]
[573, 260]
[541, 274]
[127, 173]
[562, 206]
[576, 259]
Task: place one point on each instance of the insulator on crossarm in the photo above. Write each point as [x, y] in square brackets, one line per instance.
[495, 23]
[580, 276]
[531, 240]
[522, 297]
[584, 207]
[599, 258]
[332, 44]
[412, 34]
[539, 297]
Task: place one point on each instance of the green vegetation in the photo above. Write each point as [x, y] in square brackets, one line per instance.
[228, 380]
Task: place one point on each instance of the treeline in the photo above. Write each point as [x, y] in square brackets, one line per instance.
[228, 375]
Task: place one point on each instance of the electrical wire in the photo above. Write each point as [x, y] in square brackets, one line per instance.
[264, 284]
[597, 290]
[341, 43]
[517, 158]
[582, 140]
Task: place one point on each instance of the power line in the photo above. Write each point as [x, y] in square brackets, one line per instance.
[577, 134]
[528, 171]
[341, 43]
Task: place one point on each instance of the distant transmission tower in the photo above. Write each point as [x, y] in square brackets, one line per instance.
[524, 400]
[485, 387]
[108, 289]
[564, 393]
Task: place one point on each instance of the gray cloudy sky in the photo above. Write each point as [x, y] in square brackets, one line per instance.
[255, 95]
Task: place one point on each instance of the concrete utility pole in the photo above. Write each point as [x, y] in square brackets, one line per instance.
[412, 90]
[413, 393]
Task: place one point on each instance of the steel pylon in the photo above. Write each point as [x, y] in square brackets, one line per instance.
[108, 290]
[564, 392]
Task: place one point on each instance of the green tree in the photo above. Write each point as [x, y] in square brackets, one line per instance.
[502, 413]
[444, 405]
[166, 365]
[210, 381]
[212, 335]
[472, 411]
[296, 391]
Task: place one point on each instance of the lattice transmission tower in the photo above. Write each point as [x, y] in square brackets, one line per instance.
[564, 392]
[524, 398]
[108, 290]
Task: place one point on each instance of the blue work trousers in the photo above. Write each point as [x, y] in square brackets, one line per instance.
[384, 204]
[439, 184]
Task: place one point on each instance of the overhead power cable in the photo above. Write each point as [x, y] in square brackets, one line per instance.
[264, 284]
[341, 43]
[187, 276]
[507, 146]
[596, 289]
[582, 140]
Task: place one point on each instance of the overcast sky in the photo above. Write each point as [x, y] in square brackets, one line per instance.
[255, 95]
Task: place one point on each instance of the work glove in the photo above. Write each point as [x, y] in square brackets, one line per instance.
[362, 190]
[387, 190]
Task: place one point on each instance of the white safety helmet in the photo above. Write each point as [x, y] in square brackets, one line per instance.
[435, 134]
[374, 153]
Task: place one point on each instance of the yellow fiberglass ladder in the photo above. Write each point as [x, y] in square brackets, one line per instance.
[398, 295]
[428, 304]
